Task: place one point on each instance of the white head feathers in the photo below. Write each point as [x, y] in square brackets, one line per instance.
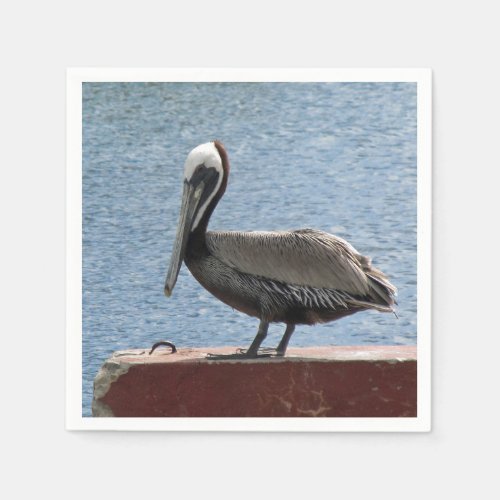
[207, 155]
[204, 154]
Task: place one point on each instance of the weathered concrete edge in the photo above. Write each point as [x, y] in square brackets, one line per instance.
[109, 372]
[388, 354]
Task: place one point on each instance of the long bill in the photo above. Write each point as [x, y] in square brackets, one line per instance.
[190, 200]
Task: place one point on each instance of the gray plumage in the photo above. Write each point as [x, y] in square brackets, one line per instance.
[307, 270]
[304, 257]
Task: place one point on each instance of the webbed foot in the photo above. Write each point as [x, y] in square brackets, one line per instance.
[243, 354]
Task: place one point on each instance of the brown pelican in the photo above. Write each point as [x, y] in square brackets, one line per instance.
[304, 276]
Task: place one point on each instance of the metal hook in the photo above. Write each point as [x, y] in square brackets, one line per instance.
[165, 343]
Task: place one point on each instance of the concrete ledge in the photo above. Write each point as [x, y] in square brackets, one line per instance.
[342, 381]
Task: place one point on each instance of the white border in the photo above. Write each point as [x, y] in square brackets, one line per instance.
[75, 78]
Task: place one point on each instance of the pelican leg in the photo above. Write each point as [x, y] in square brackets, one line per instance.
[259, 338]
[252, 351]
[281, 349]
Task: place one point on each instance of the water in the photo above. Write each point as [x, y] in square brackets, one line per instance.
[340, 157]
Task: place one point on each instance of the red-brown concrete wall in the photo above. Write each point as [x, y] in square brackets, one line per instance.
[309, 382]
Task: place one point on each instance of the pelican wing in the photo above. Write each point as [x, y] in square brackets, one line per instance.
[304, 257]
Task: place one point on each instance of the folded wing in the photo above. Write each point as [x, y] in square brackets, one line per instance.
[305, 257]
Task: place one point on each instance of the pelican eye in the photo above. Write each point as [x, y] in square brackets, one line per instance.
[198, 174]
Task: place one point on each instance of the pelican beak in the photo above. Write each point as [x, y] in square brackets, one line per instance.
[190, 201]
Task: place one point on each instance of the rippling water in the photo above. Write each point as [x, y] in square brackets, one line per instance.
[340, 157]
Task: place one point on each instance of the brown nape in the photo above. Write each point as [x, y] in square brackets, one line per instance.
[223, 154]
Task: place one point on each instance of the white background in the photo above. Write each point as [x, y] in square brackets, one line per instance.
[38, 40]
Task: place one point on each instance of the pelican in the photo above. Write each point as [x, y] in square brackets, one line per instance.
[303, 276]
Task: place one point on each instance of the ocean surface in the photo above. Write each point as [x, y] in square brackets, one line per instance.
[340, 157]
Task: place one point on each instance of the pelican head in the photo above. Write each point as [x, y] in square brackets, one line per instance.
[203, 176]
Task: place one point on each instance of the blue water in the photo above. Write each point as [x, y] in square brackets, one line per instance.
[340, 157]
